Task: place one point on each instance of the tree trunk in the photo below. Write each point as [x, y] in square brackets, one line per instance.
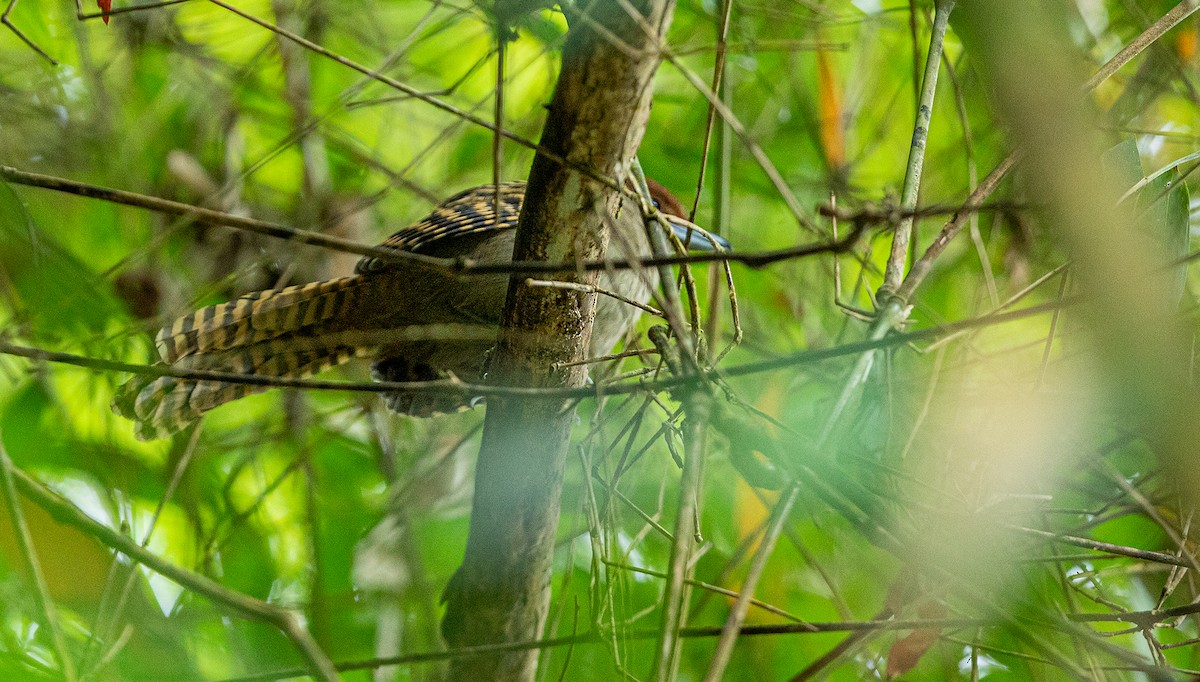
[596, 120]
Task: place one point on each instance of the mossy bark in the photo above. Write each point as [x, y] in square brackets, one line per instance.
[596, 120]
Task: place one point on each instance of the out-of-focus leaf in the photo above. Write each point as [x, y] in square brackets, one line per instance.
[1162, 206]
[75, 565]
[25, 420]
[833, 139]
[1186, 40]
[1123, 161]
[55, 293]
[752, 451]
[907, 652]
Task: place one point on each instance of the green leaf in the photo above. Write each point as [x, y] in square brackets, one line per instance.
[1162, 206]
[1123, 161]
[54, 294]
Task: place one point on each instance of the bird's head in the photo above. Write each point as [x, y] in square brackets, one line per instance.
[692, 236]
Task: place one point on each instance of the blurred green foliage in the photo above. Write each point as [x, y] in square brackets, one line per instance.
[323, 502]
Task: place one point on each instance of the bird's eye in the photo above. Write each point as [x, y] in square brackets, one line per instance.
[656, 204]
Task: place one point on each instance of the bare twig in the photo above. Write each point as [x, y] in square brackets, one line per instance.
[719, 88]
[81, 15]
[716, 589]
[596, 638]
[916, 155]
[1110, 548]
[248, 607]
[455, 387]
[592, 289]
[211, 217]
[20, 34]
[456, 265]
[920, 269]
[1145, 39]
[674, 607]
[737, 614]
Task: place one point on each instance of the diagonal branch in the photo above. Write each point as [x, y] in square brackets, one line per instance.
[248, 607]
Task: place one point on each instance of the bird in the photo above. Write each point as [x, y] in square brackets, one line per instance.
[417, 322]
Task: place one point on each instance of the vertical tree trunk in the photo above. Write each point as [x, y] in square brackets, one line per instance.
[596, 120]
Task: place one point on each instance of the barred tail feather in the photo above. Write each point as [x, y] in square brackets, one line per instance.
[254, 318]
[165, 405]
[268, 333]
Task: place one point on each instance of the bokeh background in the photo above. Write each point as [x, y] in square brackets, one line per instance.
[996, 481]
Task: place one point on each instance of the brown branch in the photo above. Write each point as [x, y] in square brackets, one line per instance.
[1156, 30]
[454, 387]
[209, 216]
[596, 119]
[636, 635]
[1108, 547]
[463, 266]
[861, 219]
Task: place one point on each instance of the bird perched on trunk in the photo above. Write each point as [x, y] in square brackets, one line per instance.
[416, 321]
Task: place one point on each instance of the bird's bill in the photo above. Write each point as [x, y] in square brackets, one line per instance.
[694, 237]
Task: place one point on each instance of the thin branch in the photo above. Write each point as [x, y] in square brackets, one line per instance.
[734, 594]
[921, 269]
[1145, 39]
[461, 266]
[719, 88]
[755, 149]
[637, 635]
[674, 607]
[21, 34]
[737, 614]
[65, 512]
[1120, 550]
[209, 216]
[591, 289]
[862, 219]
[81, 15]
[455, 387]
[916, 156]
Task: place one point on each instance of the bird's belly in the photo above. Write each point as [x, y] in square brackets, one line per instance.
[615, 317]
